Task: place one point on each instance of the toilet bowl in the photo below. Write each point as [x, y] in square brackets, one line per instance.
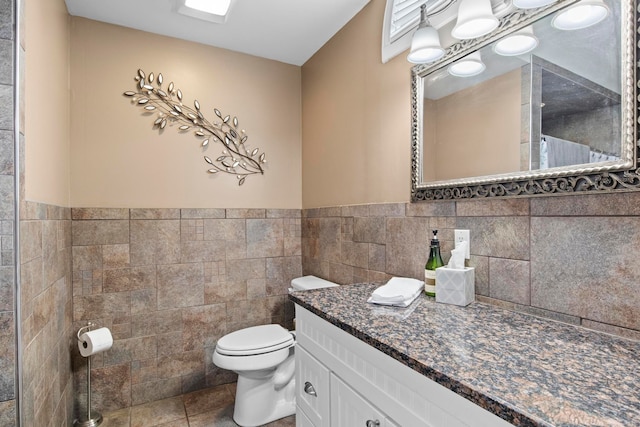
[263, 358]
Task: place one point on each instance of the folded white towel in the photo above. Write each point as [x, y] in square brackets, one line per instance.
[399, 291]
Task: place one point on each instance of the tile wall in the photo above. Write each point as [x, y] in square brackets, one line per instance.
[8, 389]
[46, 315]
[569, 258]
[169, 283]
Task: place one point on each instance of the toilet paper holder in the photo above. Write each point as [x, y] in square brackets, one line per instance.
[95, 419]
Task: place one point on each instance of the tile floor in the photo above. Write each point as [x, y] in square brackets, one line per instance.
[211, 407]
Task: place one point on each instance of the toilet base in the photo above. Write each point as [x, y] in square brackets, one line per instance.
[259, 403]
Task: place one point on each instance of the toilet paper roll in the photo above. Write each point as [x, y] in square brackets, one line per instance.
[95, 341]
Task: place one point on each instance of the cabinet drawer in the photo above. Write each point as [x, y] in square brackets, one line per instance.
[349, 409]
[312, 388]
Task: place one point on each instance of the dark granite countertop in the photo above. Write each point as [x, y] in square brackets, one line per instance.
[527, 370]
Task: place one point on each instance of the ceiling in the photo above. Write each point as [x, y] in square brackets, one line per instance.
[289, 31]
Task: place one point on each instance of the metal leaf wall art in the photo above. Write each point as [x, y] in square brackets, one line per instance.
[236, 158]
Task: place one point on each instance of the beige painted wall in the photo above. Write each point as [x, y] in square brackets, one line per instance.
[356, 119]
[46, 98]
[118, 160]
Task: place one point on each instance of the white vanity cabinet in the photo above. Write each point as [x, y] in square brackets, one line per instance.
[343, 382]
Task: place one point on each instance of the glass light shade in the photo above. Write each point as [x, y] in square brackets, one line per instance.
[470, 65]
[517, 43]
[583, 14]
[531, 4]
[425, 46]
[475, 19]
[215, 7]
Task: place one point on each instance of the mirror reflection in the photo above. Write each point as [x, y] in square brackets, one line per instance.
[545, 96]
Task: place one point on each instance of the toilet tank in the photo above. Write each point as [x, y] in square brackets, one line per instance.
[306, 283]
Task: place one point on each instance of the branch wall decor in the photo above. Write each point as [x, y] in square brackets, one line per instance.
[236, 158]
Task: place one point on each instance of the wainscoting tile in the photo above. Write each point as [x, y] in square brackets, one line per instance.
[87, 257]
[283, 213]
[31, 238]
[265, 238]
[99, 213]
[6, 101]
[334, 211]
[203, 326]
[387, 209]
[202, 251]
[355, 210]
[6, 153]
[223, 291]
[509, 280]
[8, 412]
[438, 208]
[6, 20]
[115, 256]
[154, 391]
[370, 230]
[377, 257]
[202, 213]
[111, 388]
[586, 267]
[7, 283]
[481, 273]
[100, 232]
[6, 65]
[7, 357]
[180, 285]
[407, 247]
[501, 237]
[355, 254]
[618, 204]
[610, 329]
[99, 306]
[329, 239]
[228, 231]
[246, 213]
[155, 213]
[167, 245]
[129, 279]
[494, 207]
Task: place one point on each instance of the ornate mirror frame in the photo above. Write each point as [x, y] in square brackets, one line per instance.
[604, 177]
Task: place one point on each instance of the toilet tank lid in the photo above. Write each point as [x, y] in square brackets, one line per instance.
[310, 282]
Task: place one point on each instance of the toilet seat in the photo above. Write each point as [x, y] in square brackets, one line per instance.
[255, 340]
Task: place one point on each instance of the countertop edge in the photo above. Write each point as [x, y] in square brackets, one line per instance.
[489, 403]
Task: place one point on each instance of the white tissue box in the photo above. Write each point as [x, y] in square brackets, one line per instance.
[455, 286]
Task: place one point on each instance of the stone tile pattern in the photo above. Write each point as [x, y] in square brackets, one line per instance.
[570, 258]
[527, 370]
[169, 283]
[46, 315]
[203, 408]
[7, 218]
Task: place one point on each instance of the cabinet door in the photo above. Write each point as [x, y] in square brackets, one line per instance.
[312, 388]
[349, 409]
[302, 420]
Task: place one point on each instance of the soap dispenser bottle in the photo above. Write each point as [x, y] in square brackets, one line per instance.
[434, 261]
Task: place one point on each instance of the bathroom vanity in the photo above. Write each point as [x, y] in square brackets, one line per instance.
[434, 365]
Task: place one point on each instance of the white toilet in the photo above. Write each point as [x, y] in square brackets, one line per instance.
[263, 358]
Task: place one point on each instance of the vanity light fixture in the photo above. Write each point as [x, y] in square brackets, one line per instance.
[532, 4]
[470, 65]
[425, 43]
[208, 10]
[475, 19]
[581, 15]
[517, 43]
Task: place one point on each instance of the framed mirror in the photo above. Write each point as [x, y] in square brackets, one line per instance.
[556, 117]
